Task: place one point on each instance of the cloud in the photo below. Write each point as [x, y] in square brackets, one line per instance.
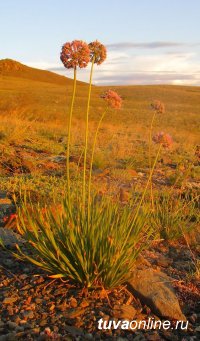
[147, 45]
[157, 78]
[125, 67]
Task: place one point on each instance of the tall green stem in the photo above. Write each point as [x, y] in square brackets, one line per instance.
[92, 158]
[86, 134]
[150, 143]
[143, 195]
[69, 132]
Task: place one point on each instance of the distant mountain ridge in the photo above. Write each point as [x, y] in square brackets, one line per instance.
[13, 68]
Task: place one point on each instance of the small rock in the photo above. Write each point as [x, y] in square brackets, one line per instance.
[27, 269]
[170, 336]
[10, 238]
[154, 289]
[23, 277]
[12, 325]
[72, 313]
[28, 314]
[3, 338]
[35, 331]
[43, 323]
[8, 263]
[153, 336]
[141, 174]
[10, 300]
[2, 324]
[74, 331]
[8, 337]
[139, 337]
[73, 302]
[197, 329]
[19, 329]
[193, 318]
[58, 159]
[126, 312]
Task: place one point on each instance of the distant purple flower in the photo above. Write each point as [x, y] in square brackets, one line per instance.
[164, 139]
[158, 106]
[113, 99]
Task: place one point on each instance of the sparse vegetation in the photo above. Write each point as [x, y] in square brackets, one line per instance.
[120, 195]
[174, 216]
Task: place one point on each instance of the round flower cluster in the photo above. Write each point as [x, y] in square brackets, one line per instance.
[76, 53]
[113, 99]
[79, 54]
[158, 106]
[97, 52]
[164, 139]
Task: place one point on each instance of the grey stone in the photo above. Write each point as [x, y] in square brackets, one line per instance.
[126, 312]
[89, 336]
[11, 325]
[10, 238]
[28, 314]
[155, 290]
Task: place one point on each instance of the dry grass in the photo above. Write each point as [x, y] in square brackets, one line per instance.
[34, 108]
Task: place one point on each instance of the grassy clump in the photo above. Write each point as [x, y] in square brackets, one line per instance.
[97, 248]
[174, 215]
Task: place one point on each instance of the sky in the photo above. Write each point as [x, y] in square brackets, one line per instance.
[147, 41]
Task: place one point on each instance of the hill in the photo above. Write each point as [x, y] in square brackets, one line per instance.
[12, 68]
[34, 105]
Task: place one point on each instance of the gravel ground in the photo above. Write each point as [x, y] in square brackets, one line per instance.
[35, 307]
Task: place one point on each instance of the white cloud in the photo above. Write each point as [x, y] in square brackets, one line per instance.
[134, 67]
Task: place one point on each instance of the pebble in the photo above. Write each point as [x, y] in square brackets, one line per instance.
[19, 329]
[43, 323]
[8, 263]
[73, 302]
[12, 325]
[35, 331]
[193, 318]
[28, 314]
[8, 337]
[10, 300]
[27, 270]
[139, 337]
[89, 336]
[3, 338]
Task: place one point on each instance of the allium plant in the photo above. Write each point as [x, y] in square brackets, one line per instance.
[97, 56]
[158, 108]
[73, 55]
[114, 101]
[164, 139]
[91, 240]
